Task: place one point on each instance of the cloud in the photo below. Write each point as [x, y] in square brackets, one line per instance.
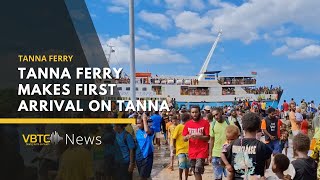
[247, 21]
[197, 4]
[185, 4]
[281, 31]
[189, 39]
[144, 33]
[218, 3]
[176, 3]
[297, 42]
[310, 51]
[188, 20]
[116, 9]
[156, 19]
[298, 48]
[195, 30]
[146, 55]
[281, 50]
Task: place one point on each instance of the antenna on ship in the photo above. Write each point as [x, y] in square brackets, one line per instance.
[206, 62]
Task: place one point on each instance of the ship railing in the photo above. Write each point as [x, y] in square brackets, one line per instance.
[237, 82]
[263, 90]
[160, 81]
[203, 92]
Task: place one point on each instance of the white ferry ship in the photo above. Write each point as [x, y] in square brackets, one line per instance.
[206, 89]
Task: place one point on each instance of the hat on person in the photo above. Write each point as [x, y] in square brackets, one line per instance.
[207, 108]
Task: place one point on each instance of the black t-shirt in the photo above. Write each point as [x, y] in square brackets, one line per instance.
[305, 169]
[248, 157]
[272, 127]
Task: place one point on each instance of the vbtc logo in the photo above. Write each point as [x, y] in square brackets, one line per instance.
[41, 139]
[36, 139]
[55, 138]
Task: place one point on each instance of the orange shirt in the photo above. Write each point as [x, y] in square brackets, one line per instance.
[168, 124]
[294, 124]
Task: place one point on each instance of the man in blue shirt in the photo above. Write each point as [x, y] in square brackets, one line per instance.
[156, 125]
[124, 157]
[144, 151]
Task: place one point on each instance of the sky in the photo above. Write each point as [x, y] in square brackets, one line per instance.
[278, 39]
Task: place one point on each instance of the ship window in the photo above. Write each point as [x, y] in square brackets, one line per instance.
[119, 88]
[127, 88]
[137, 89]
[144, 89]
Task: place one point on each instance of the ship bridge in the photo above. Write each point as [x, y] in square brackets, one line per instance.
[211, 75]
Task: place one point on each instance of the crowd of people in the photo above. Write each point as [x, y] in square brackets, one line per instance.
[194, 91]
[237, 81]
[228, 91]
[239, 141]
[263, 90]
[158, 80]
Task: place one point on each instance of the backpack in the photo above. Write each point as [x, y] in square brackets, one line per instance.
[214, 123]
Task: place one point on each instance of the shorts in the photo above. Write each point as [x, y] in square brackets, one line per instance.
[275, 145]
[145, 166]
[197, 165]
[286, 113]
[158, 135]
[183, 161]
[172, 154]
[218, 169]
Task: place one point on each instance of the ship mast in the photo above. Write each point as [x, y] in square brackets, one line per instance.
[206, 62]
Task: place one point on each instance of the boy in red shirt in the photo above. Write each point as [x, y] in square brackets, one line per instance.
[197, 132]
